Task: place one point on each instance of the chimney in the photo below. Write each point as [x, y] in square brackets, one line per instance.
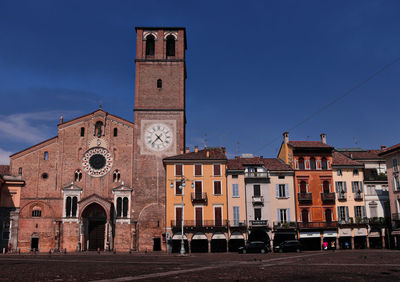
[207, 153]
[61, 119]
[286, 137]
[196, 149]
[181, 151]
[223, 150]
[323, 138]
[383, 147]
[187, 150]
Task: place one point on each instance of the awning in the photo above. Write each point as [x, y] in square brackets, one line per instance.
[304, 235]
[330, 234]
[236, 235]
[345, 232]
[396, 232]
[199, 237]
[218, 236]
[179, 237]
[374, 234]
[360, 232]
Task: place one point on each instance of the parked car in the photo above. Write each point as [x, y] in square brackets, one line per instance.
[255, 247]
[289, 246]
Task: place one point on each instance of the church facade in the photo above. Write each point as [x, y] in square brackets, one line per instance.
[100, 183]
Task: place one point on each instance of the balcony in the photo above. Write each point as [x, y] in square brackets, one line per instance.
[351, 222]
[342, 196]
[305, 197]
[317, 225]
[258, 200]
[200, 226]
[259, 223]
[379, 221]
[396, 220]
[328, 197]
[199, 198]
[254, 174]
[284, 225]
[358, 196]
[239, 226]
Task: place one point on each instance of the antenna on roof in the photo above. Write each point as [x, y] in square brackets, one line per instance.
[100, 104]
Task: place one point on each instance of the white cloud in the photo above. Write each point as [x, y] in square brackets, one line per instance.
[30, 127]
[4, 157]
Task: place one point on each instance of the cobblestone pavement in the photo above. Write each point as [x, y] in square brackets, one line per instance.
[357, 265]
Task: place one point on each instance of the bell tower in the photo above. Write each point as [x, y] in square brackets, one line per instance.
[159, 116]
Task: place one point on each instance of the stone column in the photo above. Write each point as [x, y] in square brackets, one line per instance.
[14, 222]
[395, 241]
[352, 243]
[209, 245]
[367, 239]
[337, 243]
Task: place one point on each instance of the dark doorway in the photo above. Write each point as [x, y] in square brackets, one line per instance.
[218, 245]
[328, 215]
[281, 237]
[311, 244]
[235, 244]
[199, 246]
[304, 216]
[303, 187]
[345, 243]
[176, 245]
[34, 244]
[96, 218]
[157, 244]
[259, 234]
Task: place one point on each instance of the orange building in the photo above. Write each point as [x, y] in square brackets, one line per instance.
[202, 202]
[315, 193]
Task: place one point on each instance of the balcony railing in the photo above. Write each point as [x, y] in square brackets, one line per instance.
[379, 221]
[328, 197]
[199, 197]
[200, 225]
[304, 197]
[396, 216]
[263, 223]
[358, 196]
[258, 199]
[342, 196]
[285, 225]
[254, 174]
[351, 221]
[316, 225]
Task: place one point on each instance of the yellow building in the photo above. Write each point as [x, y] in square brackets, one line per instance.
[196, 180]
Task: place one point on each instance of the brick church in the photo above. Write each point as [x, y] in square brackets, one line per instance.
[100, 183]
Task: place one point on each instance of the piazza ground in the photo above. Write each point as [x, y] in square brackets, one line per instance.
[354, 265]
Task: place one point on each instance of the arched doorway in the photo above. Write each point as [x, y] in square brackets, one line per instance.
[259, 234]
[95, 219]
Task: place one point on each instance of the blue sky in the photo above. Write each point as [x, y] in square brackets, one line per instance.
[255, 69]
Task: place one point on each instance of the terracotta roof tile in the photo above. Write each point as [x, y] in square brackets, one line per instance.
[390, 149]
[308, 144]
[214, 154]
[269, 163]
[340, 159]
[363, 155]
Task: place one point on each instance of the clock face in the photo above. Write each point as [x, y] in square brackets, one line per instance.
[97, 161]
[158, 137]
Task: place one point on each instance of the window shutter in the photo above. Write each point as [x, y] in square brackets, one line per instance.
[287, 190]
[288, 215]
[277, 190]
[338, 214]
[363, 212]
[278, 212]
[345, 186]
[361, 186]
[336, 187]
[394, 184]
[352, 186]
[347, 213]
[355, 212]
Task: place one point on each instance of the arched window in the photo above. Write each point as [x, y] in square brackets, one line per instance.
[119, 206]
[115, 132]
[159, 83]
[82, 131]
[325, 186]
[46, 156]
[116, 176]
[304, 216]
[170, 45]
[36, 212]
[303, 187]
[328, 215]
[150, 42]
[312, 164]
[324, 163]
[20, 171]
[68, 207]
[301, 163]
[125, 207]
[78, 175]
[98, 129]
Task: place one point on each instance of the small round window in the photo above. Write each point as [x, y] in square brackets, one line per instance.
[45, 175]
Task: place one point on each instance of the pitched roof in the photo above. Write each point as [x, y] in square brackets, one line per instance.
[363, 155]
[213, 154]
[390, 149]
[269, 163]
[341, 160]
[308, 144]
[4, 169]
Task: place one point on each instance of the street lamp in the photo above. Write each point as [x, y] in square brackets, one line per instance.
[181, 187]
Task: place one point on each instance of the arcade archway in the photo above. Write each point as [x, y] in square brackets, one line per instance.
[95, 222]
